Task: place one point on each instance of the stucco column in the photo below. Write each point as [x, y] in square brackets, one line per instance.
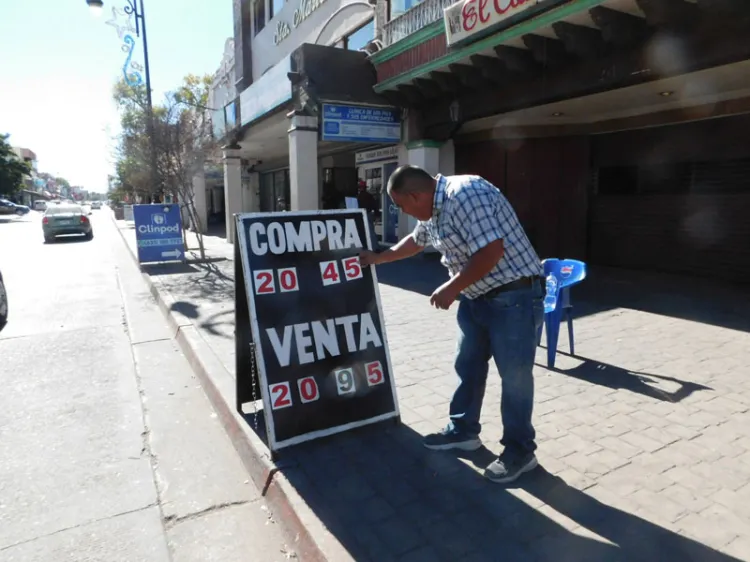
[448, 158]
[199, 197]
[232, 189]
[426, 155]
[303, 163]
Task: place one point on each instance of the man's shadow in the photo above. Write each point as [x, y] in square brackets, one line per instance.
[385, 497]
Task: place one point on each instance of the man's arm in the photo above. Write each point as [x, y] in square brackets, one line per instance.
[477, 221]
[405, 248]
[479, 265]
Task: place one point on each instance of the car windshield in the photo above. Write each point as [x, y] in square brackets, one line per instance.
[64, 209]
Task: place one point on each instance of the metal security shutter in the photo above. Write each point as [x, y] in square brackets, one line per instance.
[690, 218]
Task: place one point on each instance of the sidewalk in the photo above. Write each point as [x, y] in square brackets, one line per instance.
[644, 437]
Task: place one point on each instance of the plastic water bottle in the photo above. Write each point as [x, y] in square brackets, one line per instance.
[550, 299]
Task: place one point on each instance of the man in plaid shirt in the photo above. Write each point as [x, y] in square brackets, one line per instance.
[497, 277]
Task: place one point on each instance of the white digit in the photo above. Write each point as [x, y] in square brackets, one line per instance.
[344, 381]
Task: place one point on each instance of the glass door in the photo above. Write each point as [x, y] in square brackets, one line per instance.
[390, 210]
[374, 186]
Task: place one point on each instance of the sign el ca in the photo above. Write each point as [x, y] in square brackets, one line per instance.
[306, 7]
[469, 17]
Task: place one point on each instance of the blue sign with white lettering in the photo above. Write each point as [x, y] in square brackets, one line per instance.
[356, 123]
[158, 232]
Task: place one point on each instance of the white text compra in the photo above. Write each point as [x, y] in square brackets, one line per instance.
[307, 236]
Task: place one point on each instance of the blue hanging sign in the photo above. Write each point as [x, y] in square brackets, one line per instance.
[353, 123]
[158, 232]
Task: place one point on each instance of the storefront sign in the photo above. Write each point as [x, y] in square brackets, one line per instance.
[316, 323]
[350, 123]
[267, 93]
[158, 232]
[306, 7]
[469, 17]
[376, 154]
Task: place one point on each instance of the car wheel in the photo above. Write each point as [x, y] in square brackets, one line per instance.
[90, 235]
[49, 239]
[19, 212]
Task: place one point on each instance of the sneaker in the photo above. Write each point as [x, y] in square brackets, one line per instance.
[449, 438]
[508, 468]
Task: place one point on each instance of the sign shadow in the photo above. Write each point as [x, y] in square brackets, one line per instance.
[385, 497]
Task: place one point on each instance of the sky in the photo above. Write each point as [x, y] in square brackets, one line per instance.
[58, 64]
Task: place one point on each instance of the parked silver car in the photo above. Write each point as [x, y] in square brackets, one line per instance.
[3, 304]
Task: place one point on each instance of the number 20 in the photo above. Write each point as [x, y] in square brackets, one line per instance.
[281, 396]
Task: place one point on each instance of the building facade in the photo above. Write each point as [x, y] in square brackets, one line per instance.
[310, 130]
[617, 128]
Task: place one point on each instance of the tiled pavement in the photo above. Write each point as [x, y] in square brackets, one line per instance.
[644, 437]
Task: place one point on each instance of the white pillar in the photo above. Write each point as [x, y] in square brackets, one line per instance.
[426, 155]
[232, 190]
[448, 158]
[303, 163]
[199, 197]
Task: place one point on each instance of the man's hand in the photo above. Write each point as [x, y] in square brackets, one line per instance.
[367, 257]
[444, 296]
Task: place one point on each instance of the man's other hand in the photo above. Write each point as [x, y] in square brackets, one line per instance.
[444, 296]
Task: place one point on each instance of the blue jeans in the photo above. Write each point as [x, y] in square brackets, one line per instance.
[504, 328]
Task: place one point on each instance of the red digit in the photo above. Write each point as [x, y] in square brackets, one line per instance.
[288, 279]
[352, 268]
[308, 389]
[264, 282]
[374, 373]
[330, 272]
[280, 395]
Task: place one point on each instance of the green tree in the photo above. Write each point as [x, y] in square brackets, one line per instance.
[181, 139]
[12, 169]
[62, 182]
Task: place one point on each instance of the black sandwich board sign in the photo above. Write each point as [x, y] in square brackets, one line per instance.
[315, 325]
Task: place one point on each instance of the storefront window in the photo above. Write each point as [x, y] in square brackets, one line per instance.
[281, 190]
[360, 38]
[398, 7]
[259, 16]
[276, 6]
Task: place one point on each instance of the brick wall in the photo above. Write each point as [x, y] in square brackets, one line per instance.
[421, 54]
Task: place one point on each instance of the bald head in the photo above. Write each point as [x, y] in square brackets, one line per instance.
[410, 179]
[412, 189]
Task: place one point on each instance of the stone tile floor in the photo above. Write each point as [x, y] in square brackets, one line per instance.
[644, 435]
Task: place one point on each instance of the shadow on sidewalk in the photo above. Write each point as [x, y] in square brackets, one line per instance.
[220, 324]
[700, 300]
[156, 269]
[614, 377]
[385, 497]
[421, 274]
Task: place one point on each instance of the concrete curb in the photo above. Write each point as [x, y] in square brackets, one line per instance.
[311, 538]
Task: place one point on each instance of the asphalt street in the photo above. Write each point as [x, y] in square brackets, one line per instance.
[109, 450]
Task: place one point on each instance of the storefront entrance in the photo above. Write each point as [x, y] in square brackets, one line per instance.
[274, 191]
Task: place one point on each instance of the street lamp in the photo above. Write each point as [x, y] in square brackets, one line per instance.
[131, 9]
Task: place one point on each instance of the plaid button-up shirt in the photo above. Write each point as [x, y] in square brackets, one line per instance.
[469, 213]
